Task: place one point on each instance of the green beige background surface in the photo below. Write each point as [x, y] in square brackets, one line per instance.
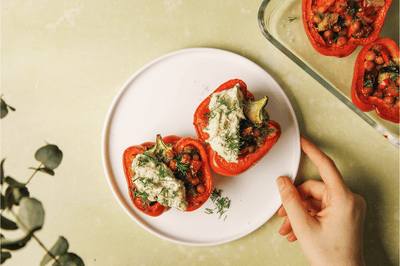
[62, 64]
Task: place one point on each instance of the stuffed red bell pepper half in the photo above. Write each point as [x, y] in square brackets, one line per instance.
[237, 128]
[337, 27]
[376, 79]
[172, 172]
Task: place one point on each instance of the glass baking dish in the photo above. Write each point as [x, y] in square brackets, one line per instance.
[281, 23]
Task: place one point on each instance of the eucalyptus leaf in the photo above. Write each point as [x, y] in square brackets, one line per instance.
[4, 110]
[16, 244]
[50, 155]
[44, 170]
[69, 259]
[8, 224]
[14, 195]
[31, 214]
[2, 172]
[5, 256]
[59, 248]
[13, 183]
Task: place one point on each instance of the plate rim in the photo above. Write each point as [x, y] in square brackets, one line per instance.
[105, 151]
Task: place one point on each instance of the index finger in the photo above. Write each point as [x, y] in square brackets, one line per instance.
[325, 165]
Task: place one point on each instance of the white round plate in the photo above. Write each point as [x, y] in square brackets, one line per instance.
[161, 98]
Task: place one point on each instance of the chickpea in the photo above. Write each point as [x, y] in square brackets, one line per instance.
[247, 131]
[336, 28]
[378, 67]
[348, 22]
[170, 154]
[186, 158]
[369, 65]
[172, 165]
[256, 133]
[370, 55]
[366, 90]
[388, 100]
[316, 19]
[195, 180]
[251, 149]
[188, 149]
[196, 157]
[328, 34]
[379, 60]
[341, 40]
[356, 26]
[201, 188]
[377, 47]
[396, 104]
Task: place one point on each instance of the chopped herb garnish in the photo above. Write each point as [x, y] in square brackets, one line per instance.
[150, 158]
[164, 192]
[182, 168]
[162, 171]
[291, 19]
[142, 195]
[368, 83]
[233, 142]
[222, 204]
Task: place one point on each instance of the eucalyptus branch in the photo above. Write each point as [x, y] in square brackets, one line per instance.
[36, 170]
[33, 235]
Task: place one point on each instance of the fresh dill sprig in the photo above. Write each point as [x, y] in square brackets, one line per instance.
[222, 204]
[182, 168]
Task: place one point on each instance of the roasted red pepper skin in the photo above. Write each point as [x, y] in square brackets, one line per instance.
[370, 103]
[318, 42]
[217, 163]
[196, 202]
[179, 144]
[129, 154]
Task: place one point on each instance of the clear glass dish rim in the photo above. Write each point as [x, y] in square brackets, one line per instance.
[322, 81]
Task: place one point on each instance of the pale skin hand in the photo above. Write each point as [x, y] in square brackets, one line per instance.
[326, 217]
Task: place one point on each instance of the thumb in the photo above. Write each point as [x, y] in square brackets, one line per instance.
[296, 211]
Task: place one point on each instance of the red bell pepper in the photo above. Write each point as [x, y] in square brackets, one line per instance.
[375, 82]
[248, 156]
[337, 27]
[196, 177]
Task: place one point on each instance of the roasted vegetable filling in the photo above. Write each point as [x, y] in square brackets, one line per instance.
[344, 19]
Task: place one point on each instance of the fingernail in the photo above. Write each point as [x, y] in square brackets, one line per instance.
[280, 182]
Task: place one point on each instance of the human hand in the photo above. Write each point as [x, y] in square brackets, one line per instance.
[326, 217]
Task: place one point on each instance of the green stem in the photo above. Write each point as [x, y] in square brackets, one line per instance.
[37, 169]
